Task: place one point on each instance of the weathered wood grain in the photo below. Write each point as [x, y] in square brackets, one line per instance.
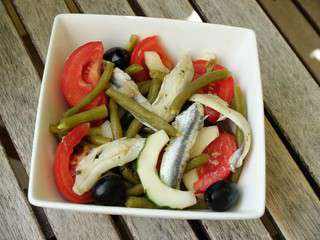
[18, 95]
[158, 229]
[302, 37]
[312, 9]
[38, 19]
[16, 217]
[290, 199]
[119, 7]
[290, 94]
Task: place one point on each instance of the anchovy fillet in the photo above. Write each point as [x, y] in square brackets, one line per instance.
[177, 153]
[107, 156]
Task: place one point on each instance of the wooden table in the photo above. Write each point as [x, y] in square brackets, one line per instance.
[287, 32]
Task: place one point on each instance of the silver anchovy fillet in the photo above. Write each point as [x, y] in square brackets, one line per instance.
[176, 155]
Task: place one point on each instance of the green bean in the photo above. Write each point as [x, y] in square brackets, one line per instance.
[136, 190]
[239, 104]
[192, 87]
[139, 202]
[115, 120]
[141, 113]
[133, 68]
[144, 86]
[196, 162]
[210, 65]
[133, 41]
[100, 87]
[129, 175]
[95, 113]
[98, 139]
[53, 128]
[95, 131]
[201, 204]
[135, 125]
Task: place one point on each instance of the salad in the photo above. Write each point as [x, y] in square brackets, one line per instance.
[143, 131]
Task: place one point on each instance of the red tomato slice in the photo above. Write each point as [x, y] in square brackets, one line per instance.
[137, 56]
[223, 88]
[218, 167]
[62, 166]
[81, 73]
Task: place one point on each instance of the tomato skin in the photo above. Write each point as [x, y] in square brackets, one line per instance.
[81, 73]
[223, 88]
[63, 175]
[218, 166]
[137, 56]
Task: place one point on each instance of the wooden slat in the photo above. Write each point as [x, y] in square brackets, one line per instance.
[302, 37]
[18, 95]
[17, 220]
[38, 23]
[290, 94]
[290, 199]
[312, 8]
[119, 7]
[151, 228]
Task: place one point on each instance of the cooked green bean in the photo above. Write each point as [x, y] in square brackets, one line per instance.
[135, 125]
[53, 128]
[129, 175]
[133, 41]
[115, 120]
[192, 87]
[133, 68]
[98, 139]
[144, 86]
[95, 113]
[209, 66]
[136, 190]
[95, 131]
[139, 202]
[196, 162]
[100, 87]
[201, 204]
[141, 113]
[239, 104]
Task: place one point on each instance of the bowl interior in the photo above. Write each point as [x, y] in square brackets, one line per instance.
[235, 48]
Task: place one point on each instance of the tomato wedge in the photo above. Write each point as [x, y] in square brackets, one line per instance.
[218, 166]
[63, 174]
[137, 56]
[223, 88]
[81, 73]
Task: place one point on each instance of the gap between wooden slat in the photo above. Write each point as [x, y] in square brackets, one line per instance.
[290, 44]
[73, 6]
[307, 15]
[23, 179]
[293, 153]
[199, 229]
[138, 11]
[271, 226]
[21, 30]
[267, 219]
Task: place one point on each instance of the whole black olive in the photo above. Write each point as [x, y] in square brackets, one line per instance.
[119, 56]
[221, 195]
[109, 190]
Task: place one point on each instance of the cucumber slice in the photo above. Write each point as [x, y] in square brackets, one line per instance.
[156, 190]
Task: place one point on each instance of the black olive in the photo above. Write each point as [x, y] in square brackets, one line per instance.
[119, 56]
[221, 195]
[109, 190]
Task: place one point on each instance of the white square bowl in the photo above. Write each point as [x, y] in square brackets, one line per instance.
[236, 49]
